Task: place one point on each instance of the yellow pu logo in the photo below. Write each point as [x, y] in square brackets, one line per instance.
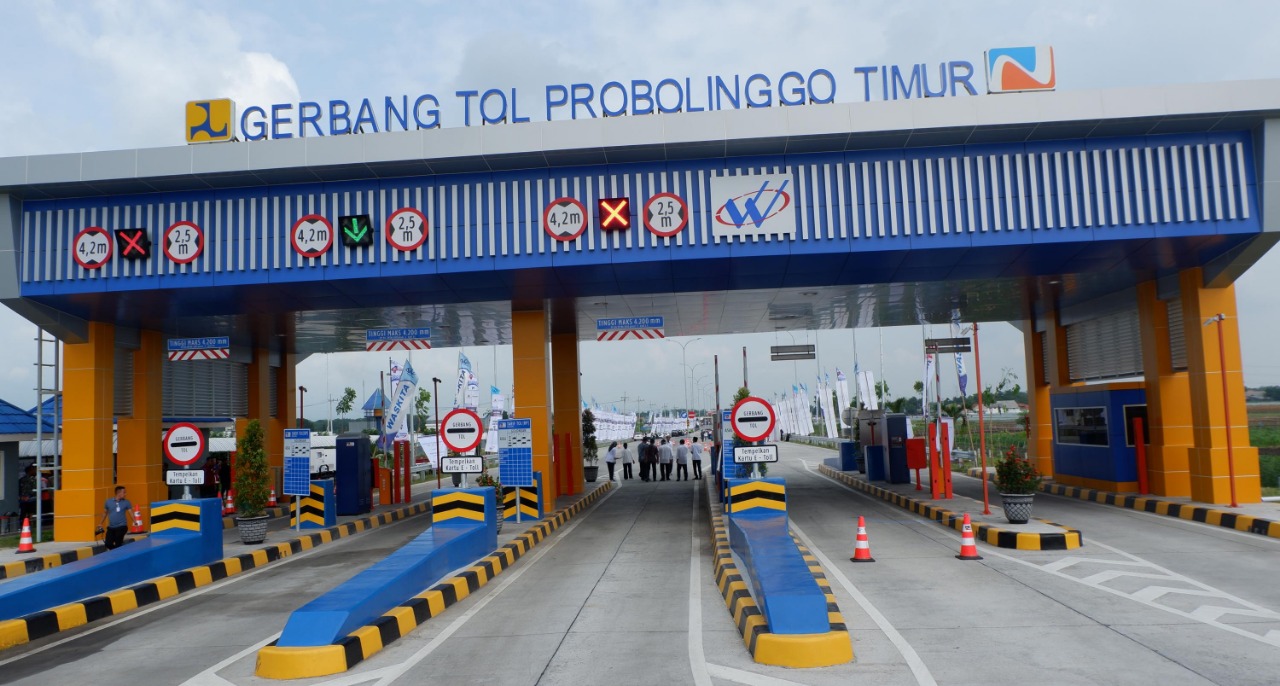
[210, 120]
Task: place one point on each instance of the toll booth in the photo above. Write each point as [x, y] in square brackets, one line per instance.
[354, 480]
[897, 432]
[875, 443]
[1093, 436]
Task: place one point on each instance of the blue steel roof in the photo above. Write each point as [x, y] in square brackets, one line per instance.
[16, 421]
[375, 398]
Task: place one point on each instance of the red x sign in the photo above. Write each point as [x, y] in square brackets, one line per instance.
[615, 214]
[134, 243]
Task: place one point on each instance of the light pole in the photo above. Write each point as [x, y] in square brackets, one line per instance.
[684, 363]
[435, 395]
[1226, 406]
[302, 391]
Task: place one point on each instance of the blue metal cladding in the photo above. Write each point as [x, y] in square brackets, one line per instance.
[980, 196]
[1115, 461]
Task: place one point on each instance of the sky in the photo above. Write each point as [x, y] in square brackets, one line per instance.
[84, 76]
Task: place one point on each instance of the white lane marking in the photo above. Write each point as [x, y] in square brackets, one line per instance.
[209, 677]
[393, 672]
[917, 666]
[697, 658]
[749, 678]
[223, 583]
[1175, 585]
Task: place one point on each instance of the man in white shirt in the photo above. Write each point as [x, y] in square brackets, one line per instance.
[695, 452]
[665, 457]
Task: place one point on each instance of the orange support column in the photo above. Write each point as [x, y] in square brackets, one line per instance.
[529, 333]
[259, 390]
[87, 459]
[1040, 436]
[1168, 400]
[285, 379]
[568, 404]
[1210, 481]
[139, 456]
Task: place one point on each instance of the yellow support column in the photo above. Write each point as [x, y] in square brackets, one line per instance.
[140, 457]
[259, 389]
[1168, 400]
[87, 459]
[568, 426]
[533, 391]
[1040, 437]
[1210, 481]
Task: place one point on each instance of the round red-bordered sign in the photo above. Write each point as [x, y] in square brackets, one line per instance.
[665, 208]
[752, 419]
[183, 444]
[402, 226]
[561, 212]
[458, 426]
[89, 243]
[176, 245]
[309, 244]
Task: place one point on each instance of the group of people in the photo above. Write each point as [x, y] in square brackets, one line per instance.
[656, 457]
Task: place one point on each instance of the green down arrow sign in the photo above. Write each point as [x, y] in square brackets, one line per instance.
[356, 230]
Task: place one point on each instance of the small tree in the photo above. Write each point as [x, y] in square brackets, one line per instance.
[742, 393]
[422, 407]
[590, 451]
[253, 475]
[347, 402]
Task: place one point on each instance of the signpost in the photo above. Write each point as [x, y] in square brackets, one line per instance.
[184, 444]
[947, 345]
[666, 215]
[462, 465]
[410, 338]
[91, 248]
[622, 328]
[564, 219]
[406, 229]
[311, 236]
[210, 348]
[461, 430]
[297, 466]
[755, 453]
[183, 242]
[753, 419]
[515, 456]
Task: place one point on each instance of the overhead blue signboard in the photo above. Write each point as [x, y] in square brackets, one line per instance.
[178, 344]
[627, 323]
[408, 334]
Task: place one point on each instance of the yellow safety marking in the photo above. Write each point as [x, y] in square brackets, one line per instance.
[756, 503]
[166, 587]
[12, 633]
[275, 662]
[457, 496]
[435, 602]
[259, 558]
[70, 616]
[459, 587]
[804, 650]
[326, 536]
[1028, 541]
[122, 601]
[175, 507]
[202, 576]
[1213, 517]
[370, 640]
[458, 513]
[175, 524]
[482, 574]
[12, 569]
[780, 489]
[404, 619]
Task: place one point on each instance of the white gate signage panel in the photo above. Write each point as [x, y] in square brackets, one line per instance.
[753, 205]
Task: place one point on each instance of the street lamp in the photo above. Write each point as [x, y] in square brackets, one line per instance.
[684, 363]
[302, 390]
[435, 395]
[1226, 406]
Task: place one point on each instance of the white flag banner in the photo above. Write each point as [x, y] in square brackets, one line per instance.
[867, 387]
[828, 411]
[402, 399]
[842, 392]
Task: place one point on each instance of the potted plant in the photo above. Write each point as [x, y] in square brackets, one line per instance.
[1017, 480]
[486, 479]
[252, 481]
[590, 451]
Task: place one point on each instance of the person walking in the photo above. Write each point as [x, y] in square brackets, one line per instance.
[610, 457]
[27, 493]
[665, 458]
[626, 462]
[642, 455]
[115, 514]
[682, 461]
[695, 453]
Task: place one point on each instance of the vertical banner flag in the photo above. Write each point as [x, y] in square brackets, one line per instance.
[396, 371]
[827, 400]
[960, 373]
[471, 400]
[867, 387]
[928, 381]
[842, 393]
[464, 373]
[402, 399]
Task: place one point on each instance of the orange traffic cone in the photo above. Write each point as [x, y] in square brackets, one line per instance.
[24, 541]
[862, 547]
[968, 548]
[137, 523]
[271, 502]
[230, 507]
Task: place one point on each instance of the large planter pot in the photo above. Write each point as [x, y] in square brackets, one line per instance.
[590, 472]
[252, 529]
[1017, 506]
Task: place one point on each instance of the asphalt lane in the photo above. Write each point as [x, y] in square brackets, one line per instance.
[170, 642]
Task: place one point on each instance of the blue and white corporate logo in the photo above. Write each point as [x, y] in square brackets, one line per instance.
[1017, 70]
[753, 205]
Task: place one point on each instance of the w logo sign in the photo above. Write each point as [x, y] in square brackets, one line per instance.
[1014, 70]
[755, 205]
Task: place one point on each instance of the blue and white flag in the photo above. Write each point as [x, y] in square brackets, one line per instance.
[960, 373]
[396, 370]
[402, 399]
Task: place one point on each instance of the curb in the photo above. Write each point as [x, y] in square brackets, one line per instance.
[766, 647]
[1157, 505]
[10, 570]
[229, 521]
[275, 662]
[48, 622]
[1070, 539]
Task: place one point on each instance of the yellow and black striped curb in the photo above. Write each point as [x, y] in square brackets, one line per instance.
[757, 495]
[276, 662]
[1069, 539]
[48, 622]
[766, 647]
[32, 565]
[1168, 508]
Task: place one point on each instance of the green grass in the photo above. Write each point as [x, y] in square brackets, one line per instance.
[1264, 436]
[1270, 491]
[12, 541]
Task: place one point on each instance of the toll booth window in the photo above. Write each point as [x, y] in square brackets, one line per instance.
[1082, 426]
[1132, 412]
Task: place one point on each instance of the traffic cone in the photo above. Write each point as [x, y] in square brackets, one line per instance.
[968, 548]
[24, 541]
[230, 507]
[271, 502]
[862, 547]
[137, 523]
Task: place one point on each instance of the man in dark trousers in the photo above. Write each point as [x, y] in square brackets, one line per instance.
[115, 513]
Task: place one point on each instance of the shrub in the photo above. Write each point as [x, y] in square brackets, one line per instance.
[1016, 474]
[253, 475]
